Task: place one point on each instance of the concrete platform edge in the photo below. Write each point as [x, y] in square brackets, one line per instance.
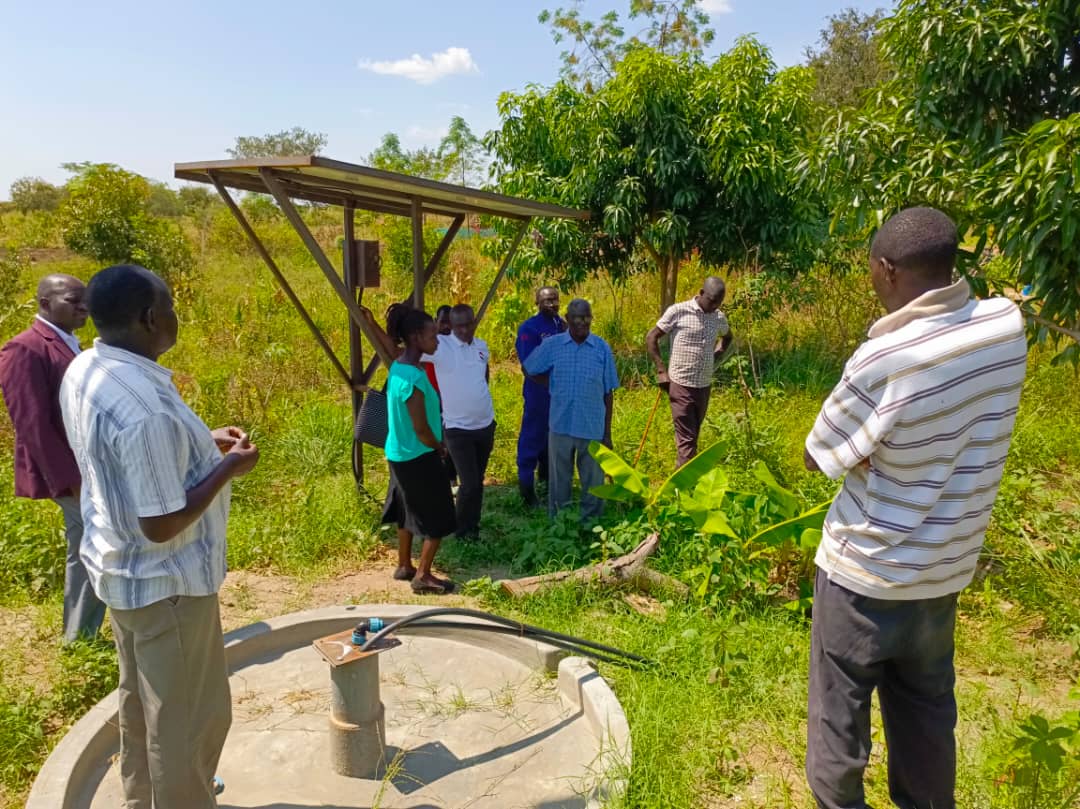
[73, 769]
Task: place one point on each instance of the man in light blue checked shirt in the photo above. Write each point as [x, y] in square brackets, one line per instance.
[579, 370]
[155, 501]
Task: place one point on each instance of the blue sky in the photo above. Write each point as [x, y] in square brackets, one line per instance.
[145, 84]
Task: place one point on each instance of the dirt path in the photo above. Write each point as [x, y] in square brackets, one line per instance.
[248, 596]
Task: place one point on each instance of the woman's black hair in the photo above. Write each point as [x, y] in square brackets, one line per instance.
[442, 310]
[403, 320]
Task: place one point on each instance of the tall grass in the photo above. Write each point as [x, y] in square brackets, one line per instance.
[721, 721]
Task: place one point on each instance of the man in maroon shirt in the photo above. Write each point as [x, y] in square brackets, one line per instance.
[32, 364]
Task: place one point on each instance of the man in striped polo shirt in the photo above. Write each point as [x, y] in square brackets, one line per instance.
[919, 428]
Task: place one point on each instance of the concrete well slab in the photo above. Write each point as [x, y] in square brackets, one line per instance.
[472, 719]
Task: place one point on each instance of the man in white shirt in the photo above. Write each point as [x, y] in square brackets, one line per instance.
[32, 365]
[461, 366]
[155, 503]
[919, 429]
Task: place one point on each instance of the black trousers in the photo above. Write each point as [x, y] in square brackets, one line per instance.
[905, 650]
[470, 450]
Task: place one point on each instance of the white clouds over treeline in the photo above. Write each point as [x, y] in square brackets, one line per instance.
[453, 61]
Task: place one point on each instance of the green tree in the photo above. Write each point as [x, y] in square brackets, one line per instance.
[597, 46]
[423, 162]
[982, 119]
[461, 149]
[847, 62]
[196, 200]
[287, 143]
[672, 157]
[106, 216]
[35, 194]
[163, 201]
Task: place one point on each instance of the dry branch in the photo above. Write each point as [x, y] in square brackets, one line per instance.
[629, 569]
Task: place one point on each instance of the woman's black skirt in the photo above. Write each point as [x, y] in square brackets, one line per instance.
[419, 498]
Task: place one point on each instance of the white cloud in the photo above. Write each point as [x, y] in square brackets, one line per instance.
[452, 61]
[716, 6]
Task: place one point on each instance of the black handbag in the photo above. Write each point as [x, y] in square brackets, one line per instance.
[372, 422]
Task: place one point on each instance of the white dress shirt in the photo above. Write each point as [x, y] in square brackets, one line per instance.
[461, 369]
[71, 340]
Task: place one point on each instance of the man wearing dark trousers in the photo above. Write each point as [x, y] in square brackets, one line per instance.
[692, 328]
[32, 364]
[919, 428]
[461, 366]
[532, 446]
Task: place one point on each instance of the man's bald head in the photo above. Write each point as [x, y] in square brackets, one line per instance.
[712, 293]
[62, 301]
[57, 283]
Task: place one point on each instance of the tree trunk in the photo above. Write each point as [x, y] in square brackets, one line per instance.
[669, 281]
[626, 569]
[668, 272]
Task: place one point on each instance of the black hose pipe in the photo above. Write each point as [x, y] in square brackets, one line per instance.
[559, 644]
[517, 626]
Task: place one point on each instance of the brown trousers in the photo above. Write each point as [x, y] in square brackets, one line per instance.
[175, 707]
[688, 408]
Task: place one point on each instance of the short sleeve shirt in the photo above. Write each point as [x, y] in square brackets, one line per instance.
[140, 448]
[402, 443]
[693, 334]
[580, 375]
[461, 369]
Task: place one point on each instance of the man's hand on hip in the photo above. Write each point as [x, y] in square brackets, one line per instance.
[662, 380]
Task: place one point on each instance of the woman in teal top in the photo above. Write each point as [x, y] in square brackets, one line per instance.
[419, 500]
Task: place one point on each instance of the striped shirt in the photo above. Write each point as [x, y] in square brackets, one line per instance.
[140, 449]
[693, 333]
[930, 400]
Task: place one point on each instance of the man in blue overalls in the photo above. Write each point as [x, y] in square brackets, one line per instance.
[533, 439]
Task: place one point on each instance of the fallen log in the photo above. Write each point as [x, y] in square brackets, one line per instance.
[629, 569]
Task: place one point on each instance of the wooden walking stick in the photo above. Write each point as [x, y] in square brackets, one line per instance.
[648, 426]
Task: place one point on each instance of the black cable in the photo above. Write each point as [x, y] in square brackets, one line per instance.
[517, 626]
[506, 630]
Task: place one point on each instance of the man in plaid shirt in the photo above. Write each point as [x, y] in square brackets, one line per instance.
[692, 327]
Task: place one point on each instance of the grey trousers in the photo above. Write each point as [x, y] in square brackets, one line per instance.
[563, 450]
[175, 707]
[905, 650]
[84, 612]
[688, 408]
[470, 451]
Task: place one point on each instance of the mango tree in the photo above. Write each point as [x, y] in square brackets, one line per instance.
[672, 156]
[982, 120]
